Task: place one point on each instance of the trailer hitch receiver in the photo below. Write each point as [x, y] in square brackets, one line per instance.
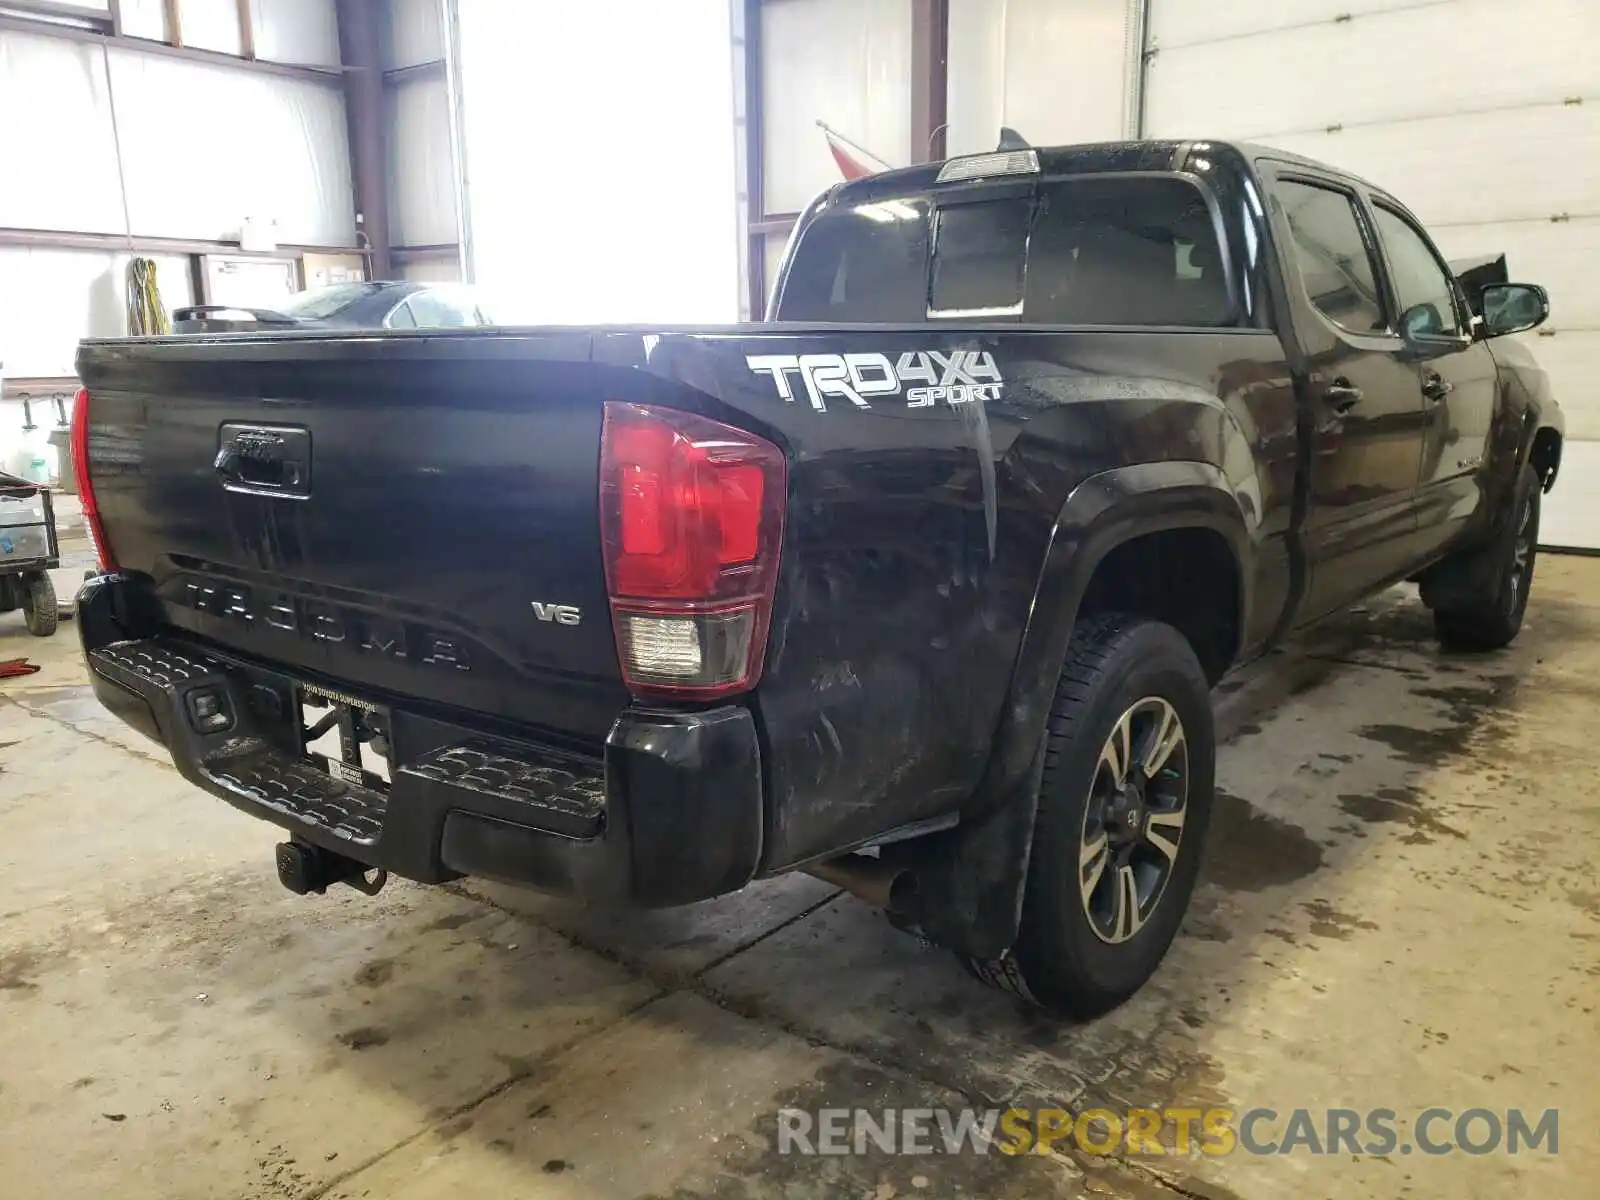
[304, 869]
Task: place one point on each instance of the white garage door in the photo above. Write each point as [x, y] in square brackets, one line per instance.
[1482, 116]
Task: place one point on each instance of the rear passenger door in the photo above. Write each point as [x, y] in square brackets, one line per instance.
[1364, 418]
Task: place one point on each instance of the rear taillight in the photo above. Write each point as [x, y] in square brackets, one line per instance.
[80, 469]
[691, 513]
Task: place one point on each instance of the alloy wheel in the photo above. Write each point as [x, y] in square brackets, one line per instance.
[1133, 822]
[1522, 553]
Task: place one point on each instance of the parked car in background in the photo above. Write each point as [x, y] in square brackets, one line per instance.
[380, 304]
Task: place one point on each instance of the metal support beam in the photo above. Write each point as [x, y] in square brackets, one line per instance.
[98, 37]
[173, 22]
[401, 255]
[34, 387]
[754, 159]
[433, 68]
[930, 78]
[76, 13]
[360, 49]
[1137, 67]
[450, 27]
[118, 243]
[775, 223]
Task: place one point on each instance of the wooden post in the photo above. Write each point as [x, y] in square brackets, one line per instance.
[247, 31]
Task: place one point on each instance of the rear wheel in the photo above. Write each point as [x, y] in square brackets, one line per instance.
[1123, 807]
[1490, 615]
[39, 604]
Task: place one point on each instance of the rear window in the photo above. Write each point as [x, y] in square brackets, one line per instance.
[1086, 251]
[319, 303]
[980, 259]
[868, 263]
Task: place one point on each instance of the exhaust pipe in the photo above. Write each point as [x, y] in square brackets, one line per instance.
[880, 884]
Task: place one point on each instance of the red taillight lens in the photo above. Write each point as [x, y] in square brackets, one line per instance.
[79, 444]
[691, 512]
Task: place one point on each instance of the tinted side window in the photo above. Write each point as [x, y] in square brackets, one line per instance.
[1427, 299]
[979, 254]
[435, 310]
[868, 263]
[1126, 252]
[1332, 255]
[401, 317]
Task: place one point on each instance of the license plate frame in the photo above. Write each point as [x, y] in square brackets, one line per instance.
[344, 736]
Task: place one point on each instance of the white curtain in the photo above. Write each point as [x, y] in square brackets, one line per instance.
[599, 141]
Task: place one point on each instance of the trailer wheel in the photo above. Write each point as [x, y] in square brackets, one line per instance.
[39, 609]
[1123, 807]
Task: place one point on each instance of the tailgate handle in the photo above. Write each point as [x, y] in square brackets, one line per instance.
[273, 460]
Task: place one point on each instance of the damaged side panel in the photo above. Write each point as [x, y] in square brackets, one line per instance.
[928, 474]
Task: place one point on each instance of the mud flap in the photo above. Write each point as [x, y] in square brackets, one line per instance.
[970, 879]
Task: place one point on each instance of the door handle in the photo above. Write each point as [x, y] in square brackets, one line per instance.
[1342, 395]
[272, 459]
[1435, 386]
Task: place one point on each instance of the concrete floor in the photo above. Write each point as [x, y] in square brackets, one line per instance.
[1401, 910]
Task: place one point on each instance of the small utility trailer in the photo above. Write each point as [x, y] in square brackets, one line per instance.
[28, 552]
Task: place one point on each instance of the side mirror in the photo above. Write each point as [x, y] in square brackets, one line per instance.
[1513, 308]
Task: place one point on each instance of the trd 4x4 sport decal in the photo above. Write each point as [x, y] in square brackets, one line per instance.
[957, 377]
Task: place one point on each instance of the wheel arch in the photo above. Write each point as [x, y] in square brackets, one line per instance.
[970, 879]
[1104, 514]
[1544, 454]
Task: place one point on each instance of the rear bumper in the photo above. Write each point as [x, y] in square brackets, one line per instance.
[671, 814]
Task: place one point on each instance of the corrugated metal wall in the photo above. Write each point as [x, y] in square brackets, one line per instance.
[251, 146]
[422, 166]
[123, 143]
[1483, 117]
[1057, 70]
[846, 63]
[138, 145]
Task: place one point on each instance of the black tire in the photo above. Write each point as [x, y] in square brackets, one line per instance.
[1062, 959]
[40, 610]
[1490, 615]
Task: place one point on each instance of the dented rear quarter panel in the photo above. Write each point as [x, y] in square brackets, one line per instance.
[917, 536]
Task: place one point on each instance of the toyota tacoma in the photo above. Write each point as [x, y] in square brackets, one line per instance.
[920, 585]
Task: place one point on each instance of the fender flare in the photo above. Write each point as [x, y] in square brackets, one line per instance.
[1512, 450]
[1538, 424]
[970, 879]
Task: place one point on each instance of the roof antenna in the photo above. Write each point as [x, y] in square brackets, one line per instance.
[1010, 139]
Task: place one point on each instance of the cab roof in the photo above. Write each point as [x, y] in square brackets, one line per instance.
[1090, 158]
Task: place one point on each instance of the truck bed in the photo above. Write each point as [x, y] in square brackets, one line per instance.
[450, 501]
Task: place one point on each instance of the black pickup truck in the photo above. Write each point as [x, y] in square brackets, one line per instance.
[920, 585]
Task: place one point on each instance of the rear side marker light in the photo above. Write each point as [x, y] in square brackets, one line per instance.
[691, 515]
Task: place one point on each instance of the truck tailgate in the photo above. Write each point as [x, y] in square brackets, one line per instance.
[418, 523]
